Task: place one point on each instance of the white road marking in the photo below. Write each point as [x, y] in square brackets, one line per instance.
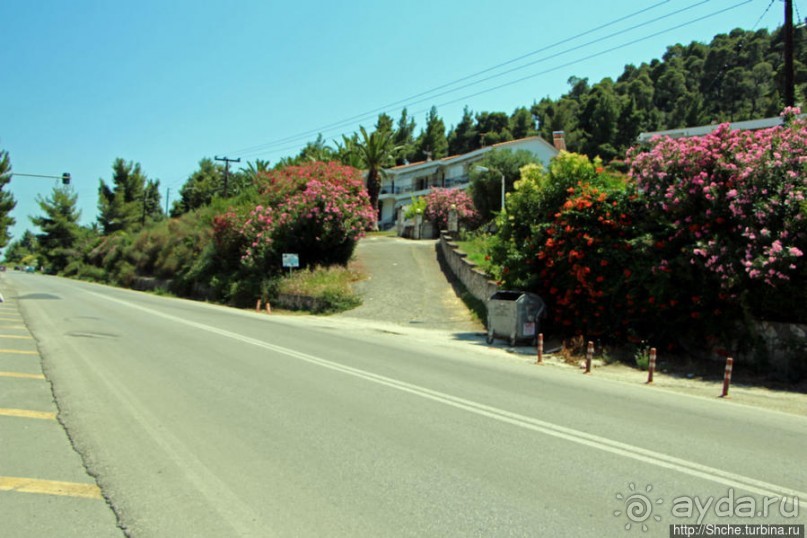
[604, 444]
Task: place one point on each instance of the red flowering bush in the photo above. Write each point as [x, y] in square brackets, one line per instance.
[538, 197]
[587, 264]
[440, 202]
[703, 233]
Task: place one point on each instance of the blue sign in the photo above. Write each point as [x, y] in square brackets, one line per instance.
[291, 261]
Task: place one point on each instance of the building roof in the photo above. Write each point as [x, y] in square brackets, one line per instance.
[749, 125]
[470, 154]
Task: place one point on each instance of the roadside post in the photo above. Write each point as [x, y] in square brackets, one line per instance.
[589, 356]
[540, 348]
[651, 367]
[727, 377]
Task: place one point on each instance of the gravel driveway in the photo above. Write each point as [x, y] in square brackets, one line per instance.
[406, 286]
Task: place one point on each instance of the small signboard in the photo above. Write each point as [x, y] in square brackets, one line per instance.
[292, 261]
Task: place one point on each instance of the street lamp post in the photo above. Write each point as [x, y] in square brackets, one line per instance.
[486, 169]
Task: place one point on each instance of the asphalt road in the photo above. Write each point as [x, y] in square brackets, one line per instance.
[199, 420]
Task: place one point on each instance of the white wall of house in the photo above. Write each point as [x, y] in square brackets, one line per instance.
[403, 183]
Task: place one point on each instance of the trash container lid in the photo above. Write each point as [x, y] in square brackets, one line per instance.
[506, 295]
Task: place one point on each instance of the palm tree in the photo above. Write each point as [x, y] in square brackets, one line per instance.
[376, 152]
[345, 152]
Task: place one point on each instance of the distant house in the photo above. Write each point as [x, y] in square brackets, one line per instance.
[749, 125]
[403, 183]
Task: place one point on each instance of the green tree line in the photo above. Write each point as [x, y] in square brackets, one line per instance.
[736, 76]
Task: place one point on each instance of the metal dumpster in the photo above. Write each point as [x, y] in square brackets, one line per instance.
[514, 316]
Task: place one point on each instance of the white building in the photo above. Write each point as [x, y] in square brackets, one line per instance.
[403, 183]
[703, 130]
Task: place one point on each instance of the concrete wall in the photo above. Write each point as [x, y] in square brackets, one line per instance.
[785, 347]
[477, 282]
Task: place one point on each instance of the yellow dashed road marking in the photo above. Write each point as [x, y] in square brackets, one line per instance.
[16, 336]
[21, 375]
[19, 351]
[49, 487]
[27, 413]
[10, 319]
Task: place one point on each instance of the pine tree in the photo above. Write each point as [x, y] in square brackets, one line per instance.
[59, 226]
[432, 142]
[493, 127]
[522, 123]
[200, 188]
[385, 123]
[404, 138]
[120, 207]
[464, 137]
[24, 247]
[7, 202]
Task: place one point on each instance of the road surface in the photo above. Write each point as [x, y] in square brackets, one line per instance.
[199, 420]
[405, 286]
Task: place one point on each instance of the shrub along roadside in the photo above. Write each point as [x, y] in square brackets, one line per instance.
[330, 287]
[230, 251]
[705, 236]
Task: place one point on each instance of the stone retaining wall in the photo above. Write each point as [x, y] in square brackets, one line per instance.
[144, 283]
[299, 302]
[477, 282]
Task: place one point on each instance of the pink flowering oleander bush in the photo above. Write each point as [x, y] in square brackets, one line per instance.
[729, 216]
[316, 210]
[704, 236]
[439, 203]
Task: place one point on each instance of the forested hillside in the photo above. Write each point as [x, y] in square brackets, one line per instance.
[738, 76]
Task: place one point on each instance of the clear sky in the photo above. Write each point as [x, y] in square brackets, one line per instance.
[168, 82]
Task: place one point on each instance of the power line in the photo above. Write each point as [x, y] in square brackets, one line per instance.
[767, 9]
[739, 47]
[612, 49]
[554, 56]
[266, 149]
[357, 117]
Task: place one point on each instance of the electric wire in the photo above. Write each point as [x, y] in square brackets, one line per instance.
[629, 43]
[269, 149]
[456, 81]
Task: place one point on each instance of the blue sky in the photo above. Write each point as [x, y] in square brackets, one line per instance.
[166, 83]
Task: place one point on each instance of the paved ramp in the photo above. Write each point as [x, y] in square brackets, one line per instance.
[406, 286]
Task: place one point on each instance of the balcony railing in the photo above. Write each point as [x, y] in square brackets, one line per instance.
[406, 189]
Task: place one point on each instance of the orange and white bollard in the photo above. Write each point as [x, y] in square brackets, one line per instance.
[651, 367]
[727, 377]
[589, 356]
[540, 348]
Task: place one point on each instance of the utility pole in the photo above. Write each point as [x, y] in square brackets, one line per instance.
[790, 91]
[227, 162]
[167, 196]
